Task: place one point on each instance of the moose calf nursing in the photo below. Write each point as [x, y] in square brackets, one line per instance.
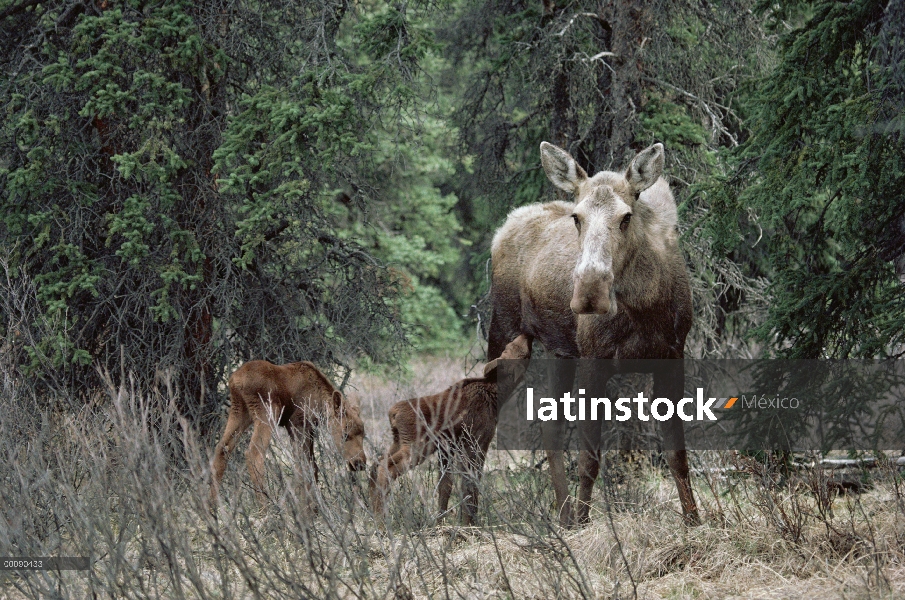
[458, 423]
[599, 277]
[296, 396]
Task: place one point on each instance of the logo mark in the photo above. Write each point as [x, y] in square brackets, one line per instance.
[726, 403]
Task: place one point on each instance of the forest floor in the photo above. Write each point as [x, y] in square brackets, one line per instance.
[102, 483]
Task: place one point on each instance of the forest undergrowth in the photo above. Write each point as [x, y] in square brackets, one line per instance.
[124, 480]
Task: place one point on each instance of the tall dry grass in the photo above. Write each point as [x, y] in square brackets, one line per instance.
[124, 481]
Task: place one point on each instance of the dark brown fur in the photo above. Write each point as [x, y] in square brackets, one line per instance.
[458, 423]
[633, 301]
[296, 396]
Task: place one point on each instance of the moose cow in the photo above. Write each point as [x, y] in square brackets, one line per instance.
[296, 396]
[459, 423]
[600, 277]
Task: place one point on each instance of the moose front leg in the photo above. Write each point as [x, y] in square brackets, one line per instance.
[301, 433]
[399, 459]
[553, 445]
[592, 381]
[561, 376]
[669, 382]
[383, 473]
[238, 422]
[588, 468]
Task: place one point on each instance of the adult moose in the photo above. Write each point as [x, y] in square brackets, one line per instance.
[296, 396]
[600, 277]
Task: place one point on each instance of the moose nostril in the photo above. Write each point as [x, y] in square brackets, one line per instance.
[581, 306]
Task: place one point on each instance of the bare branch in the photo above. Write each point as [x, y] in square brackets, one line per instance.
[589, 15]
[705, 105]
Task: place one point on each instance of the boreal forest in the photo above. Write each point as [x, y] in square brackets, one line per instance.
[190, 186]
[186, 186]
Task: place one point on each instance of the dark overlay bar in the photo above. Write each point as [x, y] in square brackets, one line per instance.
[757, 404]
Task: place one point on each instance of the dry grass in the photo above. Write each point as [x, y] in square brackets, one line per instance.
[124, 483]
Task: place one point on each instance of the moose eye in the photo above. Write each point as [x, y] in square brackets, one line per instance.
[577, 222]
[625, 221]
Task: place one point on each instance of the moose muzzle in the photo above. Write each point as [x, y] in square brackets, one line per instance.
[593, 294]
[358, 463]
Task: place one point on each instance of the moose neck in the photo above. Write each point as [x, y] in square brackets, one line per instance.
[319, 389]
[325, 404]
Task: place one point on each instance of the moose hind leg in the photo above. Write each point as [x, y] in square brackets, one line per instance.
[260, 441]
[473, 457]
[445, 485]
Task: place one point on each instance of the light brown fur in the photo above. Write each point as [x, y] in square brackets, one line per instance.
[296, 396]
[459, 423]
[632, 302]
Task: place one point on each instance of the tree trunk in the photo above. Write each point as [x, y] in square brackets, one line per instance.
[630, 23]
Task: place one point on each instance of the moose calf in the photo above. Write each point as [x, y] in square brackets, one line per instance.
[296, 396]
[458, 423]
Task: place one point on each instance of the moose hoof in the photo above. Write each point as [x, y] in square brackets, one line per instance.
[581, 514]
[692, 519]
[566, 518]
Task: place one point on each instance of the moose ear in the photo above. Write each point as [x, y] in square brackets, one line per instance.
[561, 168]
[338, 406]
[646, 168]
[491, 367]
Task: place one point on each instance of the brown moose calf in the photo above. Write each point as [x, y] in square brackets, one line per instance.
[296, 396]
[458, 423]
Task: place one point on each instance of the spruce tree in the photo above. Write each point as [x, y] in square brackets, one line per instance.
[816, 199]
[169, 181]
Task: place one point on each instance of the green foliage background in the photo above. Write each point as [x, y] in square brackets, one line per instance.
[185, 186]
[821, 178]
